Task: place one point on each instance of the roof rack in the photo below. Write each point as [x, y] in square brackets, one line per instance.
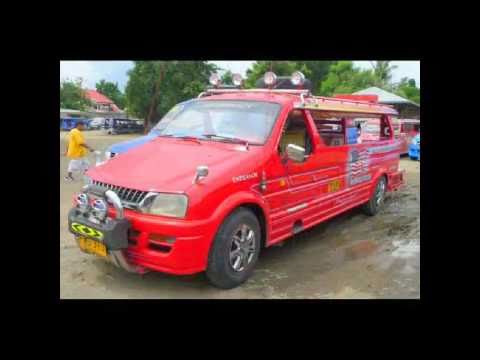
[229, 91]
[344, 105]
[315, 102]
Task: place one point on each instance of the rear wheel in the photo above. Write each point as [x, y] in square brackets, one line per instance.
[378, 196]
[235, 250]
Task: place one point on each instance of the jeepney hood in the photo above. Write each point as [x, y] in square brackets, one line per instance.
[169, 165]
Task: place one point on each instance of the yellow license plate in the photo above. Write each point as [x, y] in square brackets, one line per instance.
[334, 186]
[92, 246]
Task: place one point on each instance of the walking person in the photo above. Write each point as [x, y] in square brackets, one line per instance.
[76, 151]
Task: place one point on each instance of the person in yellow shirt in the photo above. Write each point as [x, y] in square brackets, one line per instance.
[76, 151]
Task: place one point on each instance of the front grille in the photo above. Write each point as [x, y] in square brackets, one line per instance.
[129, 197]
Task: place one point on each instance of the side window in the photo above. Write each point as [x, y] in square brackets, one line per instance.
[329, 127]
[295, 132]
[373, 129]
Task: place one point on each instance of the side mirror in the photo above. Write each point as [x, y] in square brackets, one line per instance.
[202, 172]
[295, 153]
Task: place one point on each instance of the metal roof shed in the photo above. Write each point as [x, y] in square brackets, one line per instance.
[406, 108]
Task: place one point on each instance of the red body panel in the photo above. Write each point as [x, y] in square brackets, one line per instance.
[295, 192]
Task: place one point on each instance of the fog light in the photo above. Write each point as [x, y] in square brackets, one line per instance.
[83, 201]
[99, 209]
[161, 238]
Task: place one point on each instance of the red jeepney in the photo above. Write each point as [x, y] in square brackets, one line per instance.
[230, 173]
[405, 130]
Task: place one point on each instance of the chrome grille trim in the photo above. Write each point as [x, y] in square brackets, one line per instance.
[130, 198]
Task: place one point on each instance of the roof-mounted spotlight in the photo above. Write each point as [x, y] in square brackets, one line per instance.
[237, 80]
[270, 79]
[215, 80]
[297, 78]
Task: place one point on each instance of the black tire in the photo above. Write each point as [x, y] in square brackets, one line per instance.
[373, 206]
[220, 272]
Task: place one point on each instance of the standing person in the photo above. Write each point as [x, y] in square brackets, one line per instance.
[359, 133]
[76, 151]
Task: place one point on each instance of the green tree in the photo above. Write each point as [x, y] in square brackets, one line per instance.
[280, 68]
[227, 78]
[383, 71]
[154, 87]
[111, 90]
[72, 95]
[408, 89]
[315, 71]
[344, 78]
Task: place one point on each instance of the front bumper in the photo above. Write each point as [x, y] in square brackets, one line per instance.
[140, 241]
[184, 250]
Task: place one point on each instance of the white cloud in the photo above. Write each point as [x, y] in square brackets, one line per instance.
[93, 71]
[79, 69]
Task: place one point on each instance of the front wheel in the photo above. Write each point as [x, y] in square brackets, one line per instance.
[235, 250]
[378, 196]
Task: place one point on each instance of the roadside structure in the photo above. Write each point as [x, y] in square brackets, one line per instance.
[101, 106]
[407, 109]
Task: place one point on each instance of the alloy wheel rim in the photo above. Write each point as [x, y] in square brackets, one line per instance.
[380, 192]
[242, 249]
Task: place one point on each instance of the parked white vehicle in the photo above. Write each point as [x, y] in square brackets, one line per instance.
[97, 123]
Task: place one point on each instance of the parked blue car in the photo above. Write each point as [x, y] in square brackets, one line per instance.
[414, 148]
[124, 146]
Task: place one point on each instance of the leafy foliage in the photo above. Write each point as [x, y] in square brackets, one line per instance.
[227, 78]
[280, 68]
[156, 86]
[344, 78]
[111, 90]
[72, 95]
[383, 71]
[315, 71]
[408, 89]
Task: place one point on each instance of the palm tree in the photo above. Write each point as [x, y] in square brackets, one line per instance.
[383, 71]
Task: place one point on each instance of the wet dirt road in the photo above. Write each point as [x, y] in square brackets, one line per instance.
[352, 256]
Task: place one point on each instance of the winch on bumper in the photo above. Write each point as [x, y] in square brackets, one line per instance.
[113, 233]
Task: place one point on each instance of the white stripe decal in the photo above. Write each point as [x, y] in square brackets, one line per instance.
[298, 207]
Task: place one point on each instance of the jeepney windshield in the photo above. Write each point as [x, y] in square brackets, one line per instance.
[250, 121]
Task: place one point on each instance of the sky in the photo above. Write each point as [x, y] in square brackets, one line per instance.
[116, 71]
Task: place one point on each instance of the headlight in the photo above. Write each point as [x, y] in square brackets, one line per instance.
[166, 204]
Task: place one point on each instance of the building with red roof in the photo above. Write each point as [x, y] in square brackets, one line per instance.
[101, 103]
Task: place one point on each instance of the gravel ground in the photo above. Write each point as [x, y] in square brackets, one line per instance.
[352, 256]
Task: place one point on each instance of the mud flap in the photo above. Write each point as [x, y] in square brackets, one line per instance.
[396, 180]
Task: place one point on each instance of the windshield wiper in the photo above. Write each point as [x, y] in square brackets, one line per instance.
[183, 137]
[227, 138]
